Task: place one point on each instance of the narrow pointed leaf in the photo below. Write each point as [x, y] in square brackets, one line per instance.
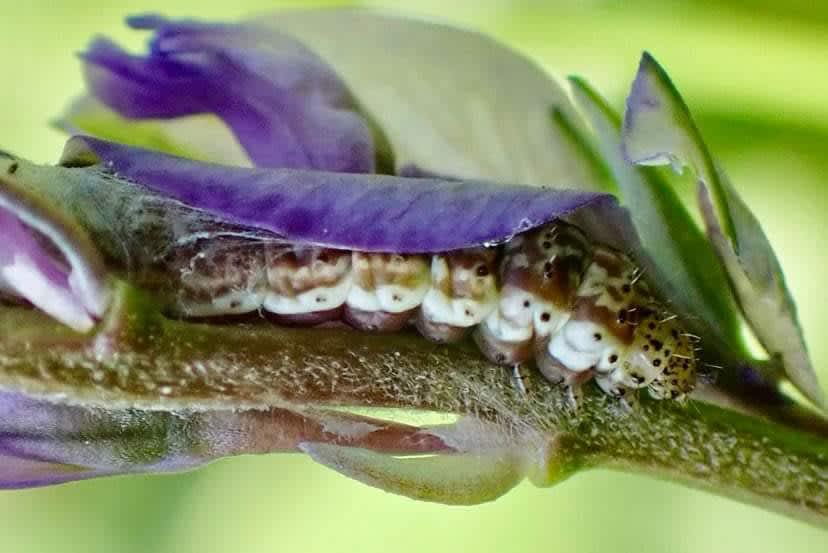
[462, 479]
[19, 472]
[658, 129]
[687, 270]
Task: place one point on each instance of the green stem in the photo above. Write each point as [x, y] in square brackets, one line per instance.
[722, 452]
[185, 366]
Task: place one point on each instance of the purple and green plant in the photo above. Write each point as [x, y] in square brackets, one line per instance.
[399, 135]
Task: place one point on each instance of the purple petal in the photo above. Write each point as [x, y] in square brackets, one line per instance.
[362, 212]
[44, 443]
[45, 259]
[29, 272]
[286, 107]
[17, 471]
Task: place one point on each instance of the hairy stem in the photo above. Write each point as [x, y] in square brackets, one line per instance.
[141, 360]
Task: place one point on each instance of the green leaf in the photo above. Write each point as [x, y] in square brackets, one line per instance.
[684, 266]
[450, 101]
[658, 129]
[592, 162]
[462, 479]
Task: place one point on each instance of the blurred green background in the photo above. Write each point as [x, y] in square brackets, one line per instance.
[755, 75]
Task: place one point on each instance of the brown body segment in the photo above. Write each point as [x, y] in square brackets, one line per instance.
[292, 271]
[306, 285]
[387, 290]
[463, 291]
[540, 274]
[221, 276]
[597, 337]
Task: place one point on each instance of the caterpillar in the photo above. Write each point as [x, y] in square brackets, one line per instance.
[548, 296]
[451, 258]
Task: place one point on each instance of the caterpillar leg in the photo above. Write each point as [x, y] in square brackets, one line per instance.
[573, 388]
[560, 375]
[495, 346]
[627, 397]
[442, 333]
[377, 321]
[519, 378]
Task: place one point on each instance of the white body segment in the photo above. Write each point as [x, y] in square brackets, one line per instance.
[571, 351]
[321, 298]
[547, 319]
[507, 331]
[462, 312]
[511, 321]
[387, 297]
[476, 302]
[236, 302]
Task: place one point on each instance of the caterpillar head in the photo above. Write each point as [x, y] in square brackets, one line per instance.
[660, 358]
[678, 378]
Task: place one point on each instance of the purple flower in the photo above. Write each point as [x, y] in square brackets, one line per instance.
[45, 258]
[282, 130]
[285, 106]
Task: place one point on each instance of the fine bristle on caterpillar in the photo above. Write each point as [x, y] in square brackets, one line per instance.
[577, 310]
